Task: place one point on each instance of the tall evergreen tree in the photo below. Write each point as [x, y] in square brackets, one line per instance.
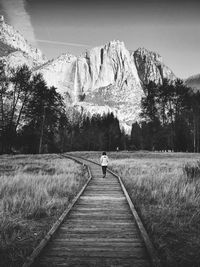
[15, 92]
[43, 114]
[166, 110]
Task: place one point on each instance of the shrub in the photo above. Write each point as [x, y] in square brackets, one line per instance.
[192, 171]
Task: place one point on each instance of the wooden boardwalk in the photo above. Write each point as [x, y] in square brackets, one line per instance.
[100, 230]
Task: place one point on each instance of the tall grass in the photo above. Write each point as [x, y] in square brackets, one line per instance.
[168, 201]
[165, 188]
[34, 191]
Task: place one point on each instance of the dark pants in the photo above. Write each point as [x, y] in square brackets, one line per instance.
[104, 170]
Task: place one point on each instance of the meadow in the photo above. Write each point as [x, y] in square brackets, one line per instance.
[165, 189]
[34, 191]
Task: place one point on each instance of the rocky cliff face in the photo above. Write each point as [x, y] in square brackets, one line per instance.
[12, 42]
[150, 67]
[105, 79]
[100, 67]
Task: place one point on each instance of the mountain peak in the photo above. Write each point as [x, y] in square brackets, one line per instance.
[115, 43]
[151, 55]
[150, 66]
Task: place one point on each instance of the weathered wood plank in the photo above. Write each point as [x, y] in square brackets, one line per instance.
[99, 223]
[97, 230]
[65, 253]
[100, 241]
[97, 234]
[99, 208]
[64, 247]
[98, 245]
[101, 216]
[93, 261]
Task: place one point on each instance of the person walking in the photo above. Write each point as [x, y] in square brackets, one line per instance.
[104, 163]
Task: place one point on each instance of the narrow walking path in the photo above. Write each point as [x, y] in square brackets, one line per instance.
[100, 230]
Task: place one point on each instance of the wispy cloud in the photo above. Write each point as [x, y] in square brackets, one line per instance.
[19, 18]
[62, 43]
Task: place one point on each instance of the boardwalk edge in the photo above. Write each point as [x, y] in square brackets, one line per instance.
[30, 259]
[155, 261]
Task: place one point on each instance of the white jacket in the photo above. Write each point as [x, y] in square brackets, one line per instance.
[104, 160]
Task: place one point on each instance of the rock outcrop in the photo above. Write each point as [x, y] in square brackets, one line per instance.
[150, 67]
[12, 41]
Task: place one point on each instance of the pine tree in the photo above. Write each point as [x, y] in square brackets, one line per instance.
[15, 91]
[43, 114]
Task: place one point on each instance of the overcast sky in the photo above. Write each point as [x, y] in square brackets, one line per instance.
[171, 28]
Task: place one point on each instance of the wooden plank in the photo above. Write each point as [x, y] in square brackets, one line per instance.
[97, 235]
[97, 230]
[105, 204]
[93, 261]
[92, 239]
[65, 246]
[136, 253]
[99, 213]
[99, 223]
[99, 208]
[101, 216]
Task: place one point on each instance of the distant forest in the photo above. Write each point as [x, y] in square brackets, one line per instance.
[34, 119]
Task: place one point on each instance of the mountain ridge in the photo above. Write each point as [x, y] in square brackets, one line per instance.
[13, 41]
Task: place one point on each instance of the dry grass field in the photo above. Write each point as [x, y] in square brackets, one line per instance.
[34, 191]
[165, 188]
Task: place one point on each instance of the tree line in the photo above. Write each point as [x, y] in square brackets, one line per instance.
[170, 118]
[94, 133]
[34, 119]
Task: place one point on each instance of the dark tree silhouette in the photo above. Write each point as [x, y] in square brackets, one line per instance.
[16, 89]
[44, 116]
[167, 110]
